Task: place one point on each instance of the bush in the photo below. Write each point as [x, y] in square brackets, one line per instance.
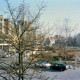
[69, 55]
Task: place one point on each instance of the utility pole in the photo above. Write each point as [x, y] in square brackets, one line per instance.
[65, 59]
[75, 63]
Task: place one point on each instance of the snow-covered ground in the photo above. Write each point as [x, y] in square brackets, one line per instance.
[70, 74]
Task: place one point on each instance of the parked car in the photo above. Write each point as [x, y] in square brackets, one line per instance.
[2, 56]
[11, 53]
[44, 64]
[59, 66]
[70, 67]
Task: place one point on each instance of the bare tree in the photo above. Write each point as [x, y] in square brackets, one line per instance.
[21, 36]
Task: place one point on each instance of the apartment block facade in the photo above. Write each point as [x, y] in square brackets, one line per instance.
[4, 25]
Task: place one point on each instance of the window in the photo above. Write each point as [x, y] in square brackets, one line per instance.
[0, 19]
[0, 24]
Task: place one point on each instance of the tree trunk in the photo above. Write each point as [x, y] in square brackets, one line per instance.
[21, 76]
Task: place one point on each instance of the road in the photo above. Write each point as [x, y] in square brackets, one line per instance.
[70, 74]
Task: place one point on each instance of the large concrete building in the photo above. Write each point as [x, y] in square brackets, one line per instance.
[4, 25]
[24, 24]
[1, 23]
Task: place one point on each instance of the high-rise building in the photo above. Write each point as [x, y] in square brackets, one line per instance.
[1, 23]
[4, 25]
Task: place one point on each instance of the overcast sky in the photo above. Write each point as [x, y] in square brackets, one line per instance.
[56, 10]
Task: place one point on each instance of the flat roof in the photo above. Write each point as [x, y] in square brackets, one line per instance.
[4, 44]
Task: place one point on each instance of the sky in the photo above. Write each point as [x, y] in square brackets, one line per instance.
[55, 12]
